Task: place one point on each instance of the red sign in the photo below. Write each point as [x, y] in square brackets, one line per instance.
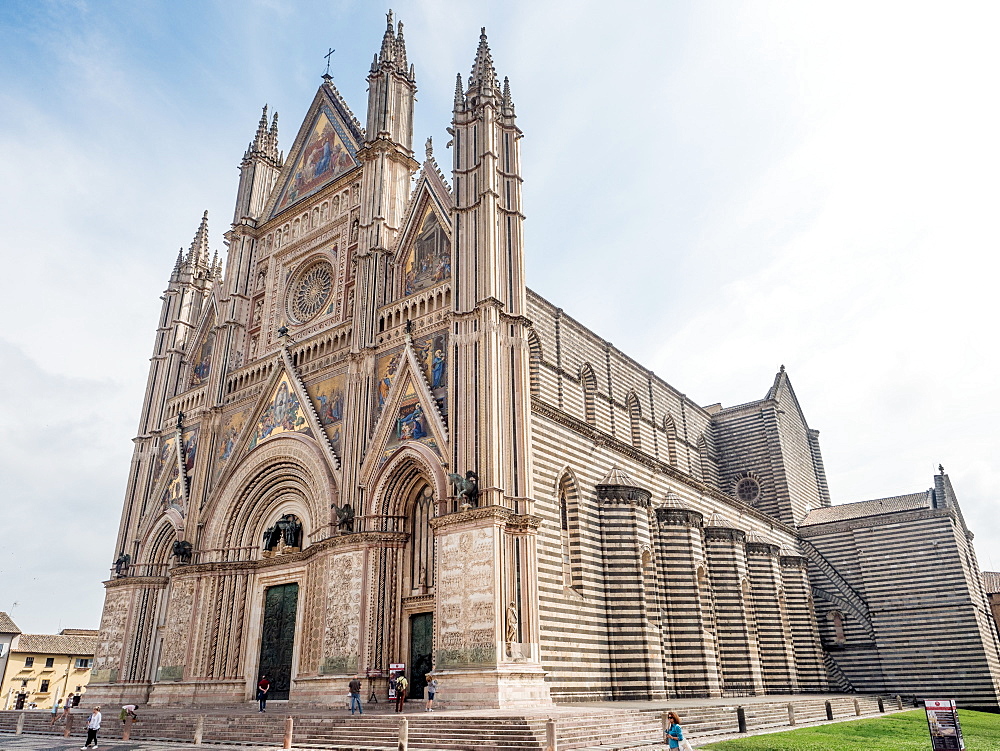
[942, 721]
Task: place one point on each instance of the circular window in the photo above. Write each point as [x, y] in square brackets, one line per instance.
[748, 490]
[310, 292]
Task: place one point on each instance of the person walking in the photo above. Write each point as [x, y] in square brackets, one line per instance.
[263, 686]
[93, 725]
[354, 687]
[401, 684]
[432, 686]
[675, 733]
[55, 713]
[67, 708]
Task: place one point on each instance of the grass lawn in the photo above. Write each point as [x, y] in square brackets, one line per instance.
[906, 731]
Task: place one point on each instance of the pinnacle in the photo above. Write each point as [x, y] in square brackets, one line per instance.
[388, 52]
[483, 72]
[459, 95]
[198, 253]
[400, 49]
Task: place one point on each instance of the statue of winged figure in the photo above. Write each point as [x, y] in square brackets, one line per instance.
[345, 518]
[466, 487]
[182, 551]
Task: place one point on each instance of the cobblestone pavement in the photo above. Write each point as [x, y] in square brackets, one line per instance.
[48, 743]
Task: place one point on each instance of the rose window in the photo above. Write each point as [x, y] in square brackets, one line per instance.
[311, 292]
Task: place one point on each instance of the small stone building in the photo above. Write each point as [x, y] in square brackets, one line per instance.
[365, 442]
[45, 668]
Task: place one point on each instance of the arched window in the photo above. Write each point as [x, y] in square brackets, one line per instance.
[670, 428]
[534, 362]
[589, 381]
[567, 559]
[634, 418]
[569, 532]
[421, 558]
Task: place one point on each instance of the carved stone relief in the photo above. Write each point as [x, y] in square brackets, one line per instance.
[341, 639]
[108, 655]
[466, 611]
[176, 632]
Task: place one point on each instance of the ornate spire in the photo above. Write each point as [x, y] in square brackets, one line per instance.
[400, 49]
[260, 139]
[388, 52]
[483, 74]
[507, 102]
[198, 253]
[272, 138]
[459, 93]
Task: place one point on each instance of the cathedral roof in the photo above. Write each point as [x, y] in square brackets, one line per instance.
[845, 511]
[718, 520]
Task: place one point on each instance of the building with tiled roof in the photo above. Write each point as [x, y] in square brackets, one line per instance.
[8, 630]
[45, 668]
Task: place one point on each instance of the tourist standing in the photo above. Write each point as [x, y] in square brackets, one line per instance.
[55, 713]
[401, 684]
[355, 688]
[67, 708]
[93, 725]
[263, 686]
[432, 686]
[674, 733]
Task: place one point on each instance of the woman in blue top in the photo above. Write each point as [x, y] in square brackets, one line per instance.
[674, 732]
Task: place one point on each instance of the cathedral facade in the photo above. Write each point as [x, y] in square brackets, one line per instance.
[365, 443]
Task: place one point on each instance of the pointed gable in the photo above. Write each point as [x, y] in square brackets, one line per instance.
[283, 414]
[325, 149]
[424, 258]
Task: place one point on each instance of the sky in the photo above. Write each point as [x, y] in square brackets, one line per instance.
[718, 188]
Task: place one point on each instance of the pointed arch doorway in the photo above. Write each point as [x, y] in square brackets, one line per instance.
[407, 573]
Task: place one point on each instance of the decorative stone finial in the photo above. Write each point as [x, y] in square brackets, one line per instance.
[941, 469]
[429, 149]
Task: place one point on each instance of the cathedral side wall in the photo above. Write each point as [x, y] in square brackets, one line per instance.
[568, 347]
[924, 632]
[574, 629]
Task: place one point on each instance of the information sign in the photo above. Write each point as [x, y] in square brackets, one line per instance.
[942, 721]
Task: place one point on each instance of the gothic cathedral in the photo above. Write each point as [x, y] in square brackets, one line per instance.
[365, 443]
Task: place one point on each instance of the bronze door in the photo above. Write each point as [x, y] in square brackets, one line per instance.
[277, 638]
[421, 652]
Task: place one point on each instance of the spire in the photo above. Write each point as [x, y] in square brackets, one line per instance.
[198, 254]
[507, 103]
[260, 139]
[272, 138]
[400, 49]
[459, 93]
[483, 73]
[388, 52]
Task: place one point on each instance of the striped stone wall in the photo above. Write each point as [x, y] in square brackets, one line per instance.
[914, 619]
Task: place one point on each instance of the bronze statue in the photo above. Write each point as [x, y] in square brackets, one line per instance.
[287, 529]
[121, 564]
[466, 487]
[182, 551]
[345, 518]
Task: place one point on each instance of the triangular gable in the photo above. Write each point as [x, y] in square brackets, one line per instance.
[285, 406]
[282, 413]
[409, 415]
[173, 470]
[199, 354]
[424, 256]
[325, 149]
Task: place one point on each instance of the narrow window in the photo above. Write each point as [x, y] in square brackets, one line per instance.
[29, 661]
[635, 417]
[589, 381]
[50, 661]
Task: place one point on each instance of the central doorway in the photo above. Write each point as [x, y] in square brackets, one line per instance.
[277, 639]
[421, 652]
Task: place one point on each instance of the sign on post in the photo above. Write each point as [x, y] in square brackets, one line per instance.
[942, 721]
